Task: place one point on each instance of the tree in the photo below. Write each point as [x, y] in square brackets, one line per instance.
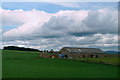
[47, 51]
[51, 51]
[44, 50]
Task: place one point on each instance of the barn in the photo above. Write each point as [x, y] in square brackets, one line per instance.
[76, 52]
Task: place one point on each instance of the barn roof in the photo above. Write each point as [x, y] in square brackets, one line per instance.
[79, 50]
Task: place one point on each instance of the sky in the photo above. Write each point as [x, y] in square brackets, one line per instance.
[53, 25]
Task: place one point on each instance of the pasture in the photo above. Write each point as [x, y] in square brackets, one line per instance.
[111, 61]
[27, 64]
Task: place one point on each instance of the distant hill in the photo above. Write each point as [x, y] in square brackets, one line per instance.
[112, 52]
[19, 48]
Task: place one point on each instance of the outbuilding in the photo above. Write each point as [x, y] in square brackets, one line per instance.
[76, 52]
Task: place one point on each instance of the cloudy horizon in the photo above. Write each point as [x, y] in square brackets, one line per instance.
[56, 25]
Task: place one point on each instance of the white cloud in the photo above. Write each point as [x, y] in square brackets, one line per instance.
[38, 29]
[20, 17]
[39, 23]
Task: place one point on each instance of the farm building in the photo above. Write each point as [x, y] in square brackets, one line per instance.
[46, 55]
[73, 52]
[76, 52]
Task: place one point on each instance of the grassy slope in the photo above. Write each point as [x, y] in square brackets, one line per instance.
[24, 64]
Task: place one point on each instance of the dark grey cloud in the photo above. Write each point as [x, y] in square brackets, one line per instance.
[101, 22]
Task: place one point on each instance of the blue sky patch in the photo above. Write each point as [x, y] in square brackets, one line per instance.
[54, 7]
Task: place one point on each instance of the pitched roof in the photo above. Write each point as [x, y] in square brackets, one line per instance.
[88, 50]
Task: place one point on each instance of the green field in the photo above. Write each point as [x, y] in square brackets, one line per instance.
[25, 64]
[111, 61]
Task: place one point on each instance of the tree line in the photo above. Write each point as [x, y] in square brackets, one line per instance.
[19, 48]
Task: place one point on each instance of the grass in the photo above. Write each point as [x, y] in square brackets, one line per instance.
[25, 64]
[112, 60]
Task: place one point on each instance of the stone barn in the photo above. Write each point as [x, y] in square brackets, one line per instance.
[74, 52]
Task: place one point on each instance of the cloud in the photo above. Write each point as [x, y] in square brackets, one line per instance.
[20, 17]
[38, 29]
[101, 21]
[103, 41]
